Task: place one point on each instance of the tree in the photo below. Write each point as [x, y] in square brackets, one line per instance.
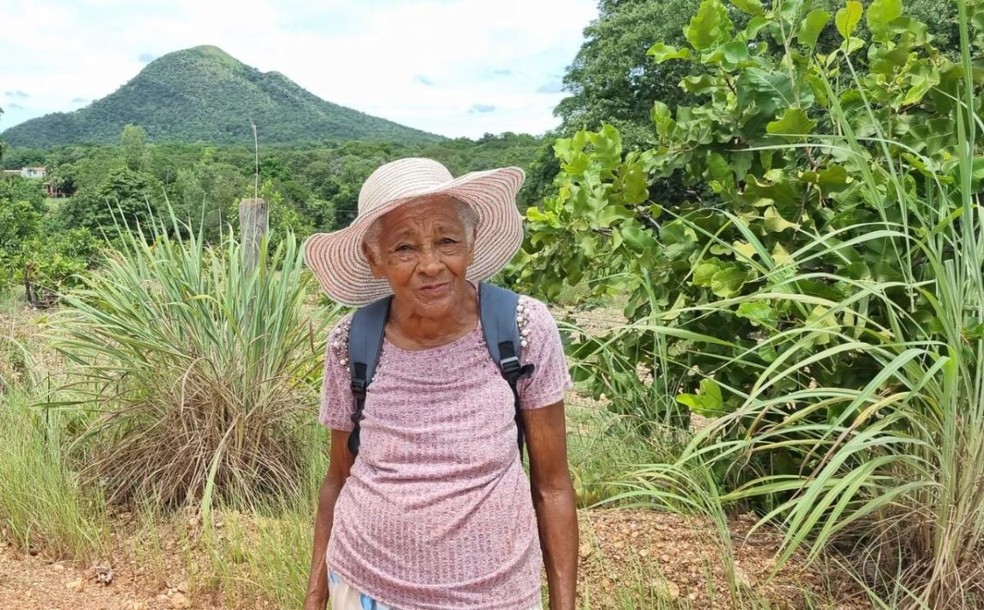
[124, 200]
[824, 306]
[134, 141]
[21, 204]
[763, 91]
[613, 80]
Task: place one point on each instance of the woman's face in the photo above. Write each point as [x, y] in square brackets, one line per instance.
[424, 253]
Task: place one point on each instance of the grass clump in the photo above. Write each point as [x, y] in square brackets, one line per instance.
[42, 504]
[197, 367]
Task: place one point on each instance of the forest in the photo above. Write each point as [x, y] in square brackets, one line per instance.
[758, 225]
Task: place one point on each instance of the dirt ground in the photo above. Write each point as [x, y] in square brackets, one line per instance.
[629, 559]
[33, 582]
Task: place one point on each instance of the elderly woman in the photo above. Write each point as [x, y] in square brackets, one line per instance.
[434, 510]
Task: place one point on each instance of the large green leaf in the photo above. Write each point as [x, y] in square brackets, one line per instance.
[662, 119]
[707, 402]
[775, 223]
[661, 52]
[881, 13]
[759, 313]
[812, 26]
[750, 7]
[678, 238]
[762, 88]
[607, 146]
[724, 278]
[793, 122]
[635, 187]
[709, 25]
[924, 77]
[848, 18]
[637, 238]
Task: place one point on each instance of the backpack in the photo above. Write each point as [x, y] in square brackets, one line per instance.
[500, 327]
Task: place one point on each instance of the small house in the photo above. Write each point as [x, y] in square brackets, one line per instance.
[33, 173]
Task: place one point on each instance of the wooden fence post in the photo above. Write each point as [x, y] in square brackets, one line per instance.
[253, 222]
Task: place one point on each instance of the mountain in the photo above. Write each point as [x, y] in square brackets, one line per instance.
[204, 94]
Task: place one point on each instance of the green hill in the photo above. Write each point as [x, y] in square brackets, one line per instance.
[204, 94]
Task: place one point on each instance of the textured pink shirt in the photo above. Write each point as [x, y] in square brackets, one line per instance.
[437, 511]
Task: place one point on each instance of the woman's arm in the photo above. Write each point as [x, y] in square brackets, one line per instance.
[553, 499]
[339, 464]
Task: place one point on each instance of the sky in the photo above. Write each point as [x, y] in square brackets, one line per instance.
[451, 67]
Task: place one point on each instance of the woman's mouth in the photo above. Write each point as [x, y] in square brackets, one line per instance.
[433, 289]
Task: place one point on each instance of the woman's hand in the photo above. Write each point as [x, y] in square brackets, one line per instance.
[311, 602]
[339, 464]
[554, 501]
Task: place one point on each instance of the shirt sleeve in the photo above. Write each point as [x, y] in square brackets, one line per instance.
[545, 351]
[337, 402]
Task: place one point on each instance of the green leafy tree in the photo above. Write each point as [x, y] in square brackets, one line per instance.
[124, 200]
[612, 80]
[52, 264]
[134, 143]
[760, 92]
[21, 206]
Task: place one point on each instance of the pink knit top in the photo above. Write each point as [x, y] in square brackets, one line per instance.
[437, 511]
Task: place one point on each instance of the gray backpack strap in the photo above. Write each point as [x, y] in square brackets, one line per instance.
[365, 343]
[497, 309]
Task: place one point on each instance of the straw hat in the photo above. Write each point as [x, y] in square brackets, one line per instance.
[339, 263]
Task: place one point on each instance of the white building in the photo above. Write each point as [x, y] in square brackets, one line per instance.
[32, 172]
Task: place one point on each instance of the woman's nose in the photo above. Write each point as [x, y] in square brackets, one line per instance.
[430, 261]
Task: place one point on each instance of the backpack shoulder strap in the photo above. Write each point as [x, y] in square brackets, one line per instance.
[498, 311]
[365, 343]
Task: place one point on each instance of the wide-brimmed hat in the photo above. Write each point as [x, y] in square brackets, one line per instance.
[337, 258]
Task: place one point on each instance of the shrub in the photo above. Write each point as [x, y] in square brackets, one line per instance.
[19, 222]
[197, 367]
[51, 265]
[828, 299]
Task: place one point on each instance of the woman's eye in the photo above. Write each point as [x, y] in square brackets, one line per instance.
[447, 241]
[404, 248]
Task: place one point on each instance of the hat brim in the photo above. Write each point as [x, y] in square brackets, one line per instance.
[340, 265]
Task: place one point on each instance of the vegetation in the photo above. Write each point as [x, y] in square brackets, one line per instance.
[204, 95]
[45, 244]
[822, 300]
[613, 80]
[793, 235]
[197, 366]
[41, 502]
[33, 255]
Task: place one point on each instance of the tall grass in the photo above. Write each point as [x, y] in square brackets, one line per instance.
[42, 504]
[267, 555]
[894, 471]
[200, 370]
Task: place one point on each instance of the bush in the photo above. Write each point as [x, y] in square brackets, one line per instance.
[19, 222]
[124, 200]
[828, 299]
[199, 368]
[51, 265]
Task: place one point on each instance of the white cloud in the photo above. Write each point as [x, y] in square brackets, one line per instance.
[424, 63]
